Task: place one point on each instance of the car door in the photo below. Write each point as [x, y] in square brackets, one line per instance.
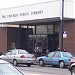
[12, 56]
[55, 58]
[48, 59]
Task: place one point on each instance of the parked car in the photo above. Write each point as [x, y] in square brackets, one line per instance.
[55, 58]
[8, 69]
[72, 66]
[19, 56]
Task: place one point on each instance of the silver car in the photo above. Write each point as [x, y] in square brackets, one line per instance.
[8, 69]
[72, 66]
[19, 56]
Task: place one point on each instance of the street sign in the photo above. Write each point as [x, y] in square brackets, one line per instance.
[65, 34]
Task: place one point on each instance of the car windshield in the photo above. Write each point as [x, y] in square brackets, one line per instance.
[8, 69]
[67, 54]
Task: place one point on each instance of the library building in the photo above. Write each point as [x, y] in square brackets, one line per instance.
[37, 27]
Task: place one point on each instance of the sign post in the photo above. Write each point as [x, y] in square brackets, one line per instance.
[62, 25]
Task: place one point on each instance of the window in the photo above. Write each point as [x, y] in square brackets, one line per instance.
[44, 29]
[22, 52]
[8, 53]
[51, 54]
[56, 28]
[56, 55]
[13, 45]
[67, 54]
[13, 53]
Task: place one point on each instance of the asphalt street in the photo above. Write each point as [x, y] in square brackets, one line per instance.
[47, 70]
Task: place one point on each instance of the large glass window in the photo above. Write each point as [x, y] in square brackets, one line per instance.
[50, 29]
[44, 29]
[33, 27]
[56, 28]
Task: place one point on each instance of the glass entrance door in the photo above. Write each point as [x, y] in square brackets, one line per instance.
[38, 43]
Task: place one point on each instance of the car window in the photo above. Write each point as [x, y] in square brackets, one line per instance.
[7, 69]
[22, 52]
[56, 55]
[8, 53]
[51, 54]
[67, 54]
[13, 52]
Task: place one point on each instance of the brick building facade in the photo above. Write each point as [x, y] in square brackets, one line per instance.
[11, 37]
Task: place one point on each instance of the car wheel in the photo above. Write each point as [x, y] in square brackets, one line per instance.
[15, 62]
[61, 64]
[41, 62]
[28, 65]
[73, 71]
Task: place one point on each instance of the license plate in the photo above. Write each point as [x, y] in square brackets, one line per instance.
[29, 61]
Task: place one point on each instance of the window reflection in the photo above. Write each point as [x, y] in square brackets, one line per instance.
[44, 29]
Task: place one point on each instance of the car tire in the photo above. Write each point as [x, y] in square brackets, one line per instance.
[61, 64]
[28, 65]
[73, 71]
[15, 62]
[41, 62]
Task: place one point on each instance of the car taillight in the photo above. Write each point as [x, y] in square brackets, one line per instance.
[33, 56]
[22, 56]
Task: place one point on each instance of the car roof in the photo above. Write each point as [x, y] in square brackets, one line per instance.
[14, 50]
[2, 61]
[17, 49]
[60, 51]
